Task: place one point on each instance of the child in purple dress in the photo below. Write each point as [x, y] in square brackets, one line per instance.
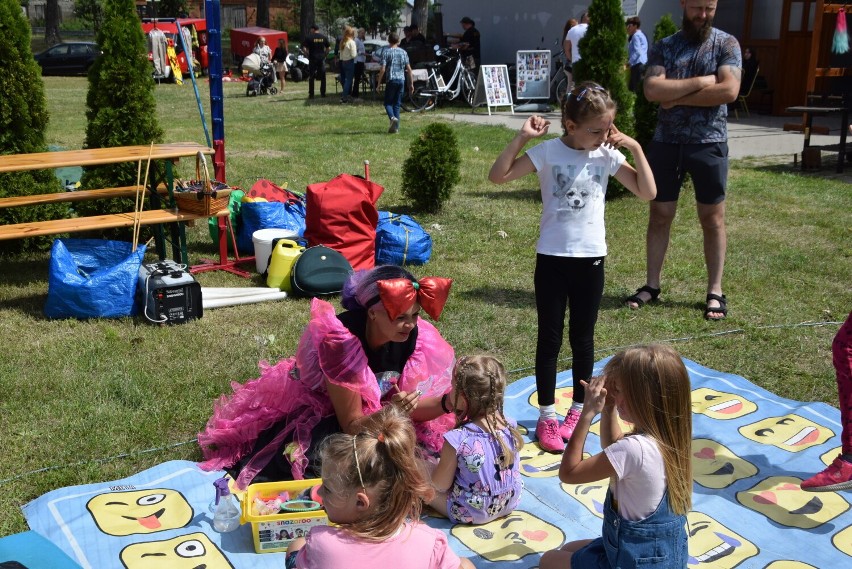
[477, 477]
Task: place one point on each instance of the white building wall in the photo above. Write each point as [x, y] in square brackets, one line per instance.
[507, 26]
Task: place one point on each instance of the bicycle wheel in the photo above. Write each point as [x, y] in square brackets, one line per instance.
[468, 87]
[423, 99]
[561, 90]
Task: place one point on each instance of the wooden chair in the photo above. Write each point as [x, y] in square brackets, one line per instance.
[741, 100]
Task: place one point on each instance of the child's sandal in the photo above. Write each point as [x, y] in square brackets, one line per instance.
[654, 292]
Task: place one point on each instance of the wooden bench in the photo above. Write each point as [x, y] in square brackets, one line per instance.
[159, 217]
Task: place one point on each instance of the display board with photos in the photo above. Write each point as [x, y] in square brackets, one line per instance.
[493, 88]
[533, 78]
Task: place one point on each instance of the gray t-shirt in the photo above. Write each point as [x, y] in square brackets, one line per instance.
[683, 59]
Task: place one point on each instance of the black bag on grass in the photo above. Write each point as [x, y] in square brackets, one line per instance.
[319, 271]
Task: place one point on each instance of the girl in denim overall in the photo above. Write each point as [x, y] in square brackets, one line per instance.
[649, 467]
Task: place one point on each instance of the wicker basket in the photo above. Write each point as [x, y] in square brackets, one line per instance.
[202, 196]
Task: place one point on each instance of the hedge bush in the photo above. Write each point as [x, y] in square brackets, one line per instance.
[432, 168]
[23, 120]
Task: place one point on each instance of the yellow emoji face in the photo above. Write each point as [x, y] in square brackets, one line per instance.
[842, 540]
[789, 565]
[719, 404]
[183, 552]
[780, 499]
[537, 463]
[508, 539]
[829, 456]
[564, 398]
[715, 466]
[713, 545]
[140, 511]
[791, 432]
[592, 495]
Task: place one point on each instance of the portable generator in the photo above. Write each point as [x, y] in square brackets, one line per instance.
[167, 293]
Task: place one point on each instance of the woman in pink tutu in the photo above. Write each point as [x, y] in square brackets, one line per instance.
[347, 366]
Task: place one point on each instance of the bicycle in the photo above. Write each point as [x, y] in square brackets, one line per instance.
[462, 83]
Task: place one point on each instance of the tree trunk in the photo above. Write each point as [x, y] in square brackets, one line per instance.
[307, 16]
[51, 23]
[419, 16]
[262, 18]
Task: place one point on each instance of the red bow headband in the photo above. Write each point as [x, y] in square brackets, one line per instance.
[398, 295]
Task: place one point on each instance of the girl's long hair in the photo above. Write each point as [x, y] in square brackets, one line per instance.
[481, 381]
[386, 460]
[656, 387]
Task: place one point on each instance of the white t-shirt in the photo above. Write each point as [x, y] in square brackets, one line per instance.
[573, 186]
[641, 476]
[574, 35]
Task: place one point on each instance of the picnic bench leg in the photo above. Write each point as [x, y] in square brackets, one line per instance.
[844, 130]
[808, 122]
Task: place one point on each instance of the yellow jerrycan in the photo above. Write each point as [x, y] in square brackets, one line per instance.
[284, 254]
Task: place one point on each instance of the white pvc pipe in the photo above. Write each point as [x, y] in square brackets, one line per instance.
[233, 301]
[230, 292]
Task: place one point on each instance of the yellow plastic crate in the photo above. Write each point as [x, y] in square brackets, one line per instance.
[275, 532]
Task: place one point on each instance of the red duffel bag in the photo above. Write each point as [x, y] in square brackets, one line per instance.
[342, 214]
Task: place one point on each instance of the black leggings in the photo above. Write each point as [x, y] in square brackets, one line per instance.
[575, 284]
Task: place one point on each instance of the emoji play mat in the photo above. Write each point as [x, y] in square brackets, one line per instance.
[751, 449]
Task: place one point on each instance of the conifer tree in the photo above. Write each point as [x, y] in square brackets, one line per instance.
[604, 55]
[646, 111]
[23, 121]
[120, 105]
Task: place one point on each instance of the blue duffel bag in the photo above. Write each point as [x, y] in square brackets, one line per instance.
[268, 215]
[92, 278]
[401, 241]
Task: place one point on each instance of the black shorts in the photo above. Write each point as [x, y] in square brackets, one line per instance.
[706, 163]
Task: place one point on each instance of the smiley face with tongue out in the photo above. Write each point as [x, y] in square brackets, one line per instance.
[140, 511]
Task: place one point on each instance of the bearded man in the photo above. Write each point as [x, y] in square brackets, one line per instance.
[693, 74]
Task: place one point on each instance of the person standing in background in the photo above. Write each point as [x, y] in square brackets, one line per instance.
[637, 52]
[316, 49]
[395, 62]
[279, 58]
[360, 61]
[693, 74]
[469, 43]
[566, 52]
[572, 40]
[347, 54]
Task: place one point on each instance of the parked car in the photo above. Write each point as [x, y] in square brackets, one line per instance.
[70, 58]
[375, 48]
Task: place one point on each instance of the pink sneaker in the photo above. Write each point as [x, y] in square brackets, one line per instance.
[547, 433]
[569, 424]
[838, 476]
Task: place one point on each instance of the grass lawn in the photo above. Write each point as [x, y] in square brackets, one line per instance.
[76, 395]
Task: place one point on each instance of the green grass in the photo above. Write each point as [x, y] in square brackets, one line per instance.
[75, 394]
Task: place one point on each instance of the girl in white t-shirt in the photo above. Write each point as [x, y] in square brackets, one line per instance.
[372, 489]
[649, 468]
[573, 171]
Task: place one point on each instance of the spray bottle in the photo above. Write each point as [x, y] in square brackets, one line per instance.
[227, 515]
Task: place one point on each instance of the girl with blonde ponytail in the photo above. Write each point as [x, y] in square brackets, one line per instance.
[373, 488]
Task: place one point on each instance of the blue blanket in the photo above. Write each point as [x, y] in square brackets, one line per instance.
[751, 449]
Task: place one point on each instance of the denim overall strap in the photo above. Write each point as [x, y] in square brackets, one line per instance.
[659, 539]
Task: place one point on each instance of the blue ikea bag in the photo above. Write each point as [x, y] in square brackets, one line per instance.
[401, 241]
[268, 215]
[92, 278]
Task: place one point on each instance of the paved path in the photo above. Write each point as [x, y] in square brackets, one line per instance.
[758, 136]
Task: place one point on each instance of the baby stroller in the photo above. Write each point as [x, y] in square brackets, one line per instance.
[261, 76]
